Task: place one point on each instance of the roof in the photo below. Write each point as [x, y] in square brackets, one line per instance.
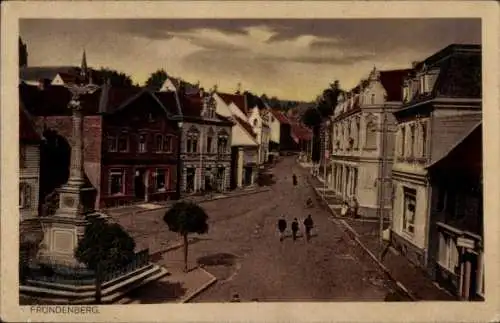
[169, 101]
[466, 151]
[54, 100]
[68, 77]
[392, 81]
[237, 99]
[451, 131]
[300, 131]
[36, 73]
[27, 132]
[459, 73]
[248, 128]
[280, 116]
[191, 105]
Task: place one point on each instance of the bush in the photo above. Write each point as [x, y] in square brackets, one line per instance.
[106, 244]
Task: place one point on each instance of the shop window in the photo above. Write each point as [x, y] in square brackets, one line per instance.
[116, 179]
[161, 180]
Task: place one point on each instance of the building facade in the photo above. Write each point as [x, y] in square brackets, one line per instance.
[363, 130]
[442, 103]
[129, 144]
[206, 145]
[244, 144]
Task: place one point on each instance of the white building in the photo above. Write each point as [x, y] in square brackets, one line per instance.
[363, 134]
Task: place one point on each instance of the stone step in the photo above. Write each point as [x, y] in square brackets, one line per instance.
[109, 293]
[89, 287]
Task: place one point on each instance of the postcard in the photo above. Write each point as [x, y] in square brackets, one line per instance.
[253, 161]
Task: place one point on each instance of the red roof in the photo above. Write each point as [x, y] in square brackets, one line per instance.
[26, 129]
[191, 105]
[118, 96]
[393, 83]
[300, 131]
[237, 99]
[246, 126]
[280, 116]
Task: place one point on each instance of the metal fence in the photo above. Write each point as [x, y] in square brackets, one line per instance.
[51, 272]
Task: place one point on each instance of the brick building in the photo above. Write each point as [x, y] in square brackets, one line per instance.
[129, 144]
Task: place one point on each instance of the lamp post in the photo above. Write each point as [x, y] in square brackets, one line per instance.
[179, 162]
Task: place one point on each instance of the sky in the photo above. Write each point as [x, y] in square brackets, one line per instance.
[293, 59]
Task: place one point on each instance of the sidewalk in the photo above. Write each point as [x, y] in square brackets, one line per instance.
[366, 233]
[178, 287]
[145, 207]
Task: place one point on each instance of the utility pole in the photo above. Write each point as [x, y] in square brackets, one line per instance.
[382, 181]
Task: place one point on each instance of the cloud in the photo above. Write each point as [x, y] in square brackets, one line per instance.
[289, 57]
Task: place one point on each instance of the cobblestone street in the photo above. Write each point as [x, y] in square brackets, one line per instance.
[242, 248]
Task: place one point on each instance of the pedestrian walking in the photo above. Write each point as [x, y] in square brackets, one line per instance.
[308, 224]
[282, 227]
[344, 209]
[294, 179]
[295, 228]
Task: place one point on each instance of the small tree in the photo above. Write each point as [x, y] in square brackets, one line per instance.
[184, 218]
[104, 244]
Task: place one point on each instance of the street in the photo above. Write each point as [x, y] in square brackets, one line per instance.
[242, 248]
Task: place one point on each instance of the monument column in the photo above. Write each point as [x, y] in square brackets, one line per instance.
[63, 230]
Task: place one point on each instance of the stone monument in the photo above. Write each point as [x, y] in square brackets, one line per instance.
[63, 230]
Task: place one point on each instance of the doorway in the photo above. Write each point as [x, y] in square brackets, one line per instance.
[139, 183]
[190, 176]
[247, 180]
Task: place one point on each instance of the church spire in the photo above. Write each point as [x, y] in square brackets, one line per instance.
[83, 67]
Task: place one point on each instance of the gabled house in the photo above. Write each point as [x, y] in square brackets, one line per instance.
[258, 117]
[442, 105]
[129, 145]
[244, 144]
[206, 145]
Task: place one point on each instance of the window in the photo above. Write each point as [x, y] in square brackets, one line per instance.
[22, 156]
[167, 143]
[142, 143]
[358, 130]
[222, 145]
[158, 143]
[24, 195]
[161, 180]
[409, 210]
[112, 143]
[123, 143]
[372, 99]
[371, 136]
[116, 179]
[403, 141]
[423, 130]
[192, 145]
[209, 144]
[412, 141]
[448, 252]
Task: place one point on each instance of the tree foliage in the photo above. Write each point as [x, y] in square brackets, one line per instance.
[105, 243]
[186, 217]
[156, 79]
[312, 117]
[115, 78]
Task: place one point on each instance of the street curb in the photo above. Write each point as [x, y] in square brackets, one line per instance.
[162, 207]
[172, 247]
[201, 289]
[338, 220]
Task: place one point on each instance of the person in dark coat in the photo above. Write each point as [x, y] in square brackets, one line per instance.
[294, 179]
[308, 224]
[282, 227]
[295, 228]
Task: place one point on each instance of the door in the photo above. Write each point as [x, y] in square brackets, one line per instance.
[139, 183]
